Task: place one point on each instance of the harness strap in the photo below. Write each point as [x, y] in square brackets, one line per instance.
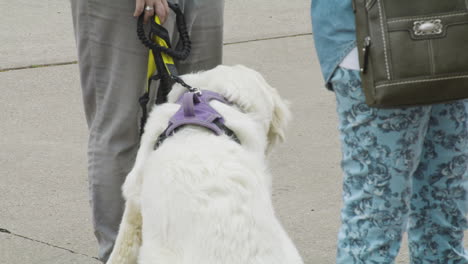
[196, 110]
[228, 132]
[188, 104]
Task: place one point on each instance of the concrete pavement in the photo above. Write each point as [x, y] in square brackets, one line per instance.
[43, 181]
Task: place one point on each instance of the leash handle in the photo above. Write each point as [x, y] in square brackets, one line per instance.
[180, 54]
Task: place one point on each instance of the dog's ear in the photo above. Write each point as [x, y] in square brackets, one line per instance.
[279, 121]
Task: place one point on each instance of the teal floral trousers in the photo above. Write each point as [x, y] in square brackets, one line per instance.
[405, 170]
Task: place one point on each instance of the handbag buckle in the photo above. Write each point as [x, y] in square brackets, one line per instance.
[428, 27]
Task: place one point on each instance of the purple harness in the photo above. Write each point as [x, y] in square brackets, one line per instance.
[196, 110]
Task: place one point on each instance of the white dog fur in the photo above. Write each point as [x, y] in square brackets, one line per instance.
[201, 198]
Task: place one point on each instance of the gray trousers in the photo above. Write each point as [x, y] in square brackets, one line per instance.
[113, 65]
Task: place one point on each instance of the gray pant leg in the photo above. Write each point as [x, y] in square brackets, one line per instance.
[205, 23]
[112, 65]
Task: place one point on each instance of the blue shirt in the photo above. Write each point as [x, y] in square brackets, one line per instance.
[334, 32]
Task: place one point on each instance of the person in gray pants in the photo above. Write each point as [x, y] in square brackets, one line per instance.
[113, 67]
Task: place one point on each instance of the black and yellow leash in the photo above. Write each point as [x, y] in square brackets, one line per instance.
[161, 66]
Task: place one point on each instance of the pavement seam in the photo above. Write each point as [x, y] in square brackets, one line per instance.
[269, 38]
[75, 62]
[39, 66]
[6, 231]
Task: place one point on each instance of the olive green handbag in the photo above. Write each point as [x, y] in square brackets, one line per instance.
[412, 52]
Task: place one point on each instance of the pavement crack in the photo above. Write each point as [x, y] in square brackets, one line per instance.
[224, 44]
[39, 66]
[269, 38]
[2, 230]
[6, 231]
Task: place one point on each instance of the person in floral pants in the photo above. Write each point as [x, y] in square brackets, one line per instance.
[403, 169]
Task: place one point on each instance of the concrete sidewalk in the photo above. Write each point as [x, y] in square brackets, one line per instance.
[44, 210]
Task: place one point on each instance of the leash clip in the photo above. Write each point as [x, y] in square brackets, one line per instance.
[191, 89]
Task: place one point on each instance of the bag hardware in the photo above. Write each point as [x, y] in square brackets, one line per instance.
[428, 27]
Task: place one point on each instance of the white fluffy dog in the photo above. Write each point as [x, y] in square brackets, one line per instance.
[200, 198]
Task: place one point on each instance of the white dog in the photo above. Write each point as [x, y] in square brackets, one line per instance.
[200, 198]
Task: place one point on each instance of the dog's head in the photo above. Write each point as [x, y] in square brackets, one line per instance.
[249, 91]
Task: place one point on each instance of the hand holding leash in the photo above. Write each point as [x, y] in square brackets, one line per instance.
[150, 7]
[157, 30]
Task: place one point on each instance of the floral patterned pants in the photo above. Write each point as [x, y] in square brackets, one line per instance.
[404, 170]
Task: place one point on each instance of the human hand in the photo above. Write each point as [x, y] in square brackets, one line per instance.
[160, 6]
